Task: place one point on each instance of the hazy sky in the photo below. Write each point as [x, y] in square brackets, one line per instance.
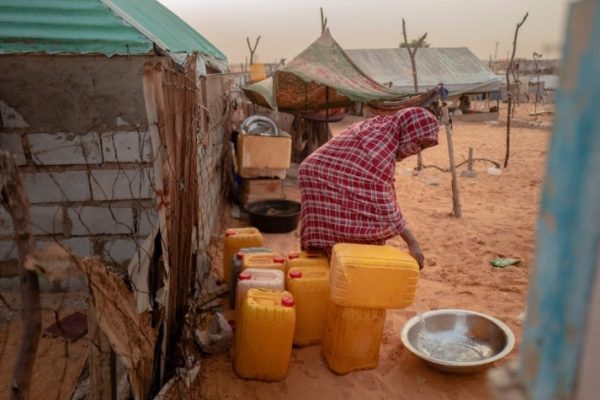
[289, 26]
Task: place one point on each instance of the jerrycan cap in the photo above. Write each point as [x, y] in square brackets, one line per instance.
[313, 254]
[288, 301]
[295, 274]
[244, 276]
[293, 255]
[278, 260]
[230, 232]
[239, 255]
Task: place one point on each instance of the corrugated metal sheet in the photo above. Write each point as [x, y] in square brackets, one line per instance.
[66, 26]
[163, 27]
[97, 26]
[458, 68]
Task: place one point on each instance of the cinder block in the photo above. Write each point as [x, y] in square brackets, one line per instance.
[65, 148]
[121, 184]
[8, 250]
[11, 142]
[46, 220]
[119, 250]
[94, 220]
[148, 219]
[6, 224]
[126, 147]
[55, 187]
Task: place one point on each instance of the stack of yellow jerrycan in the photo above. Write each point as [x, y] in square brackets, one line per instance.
[236, 239]
[236, 268]
[305, 258]
[310, 287]
[264, 335]
[365, 280]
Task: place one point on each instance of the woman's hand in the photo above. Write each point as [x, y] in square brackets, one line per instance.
[415, 250]
[413, 247]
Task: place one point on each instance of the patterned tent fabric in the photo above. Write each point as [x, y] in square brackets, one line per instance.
[322, 76]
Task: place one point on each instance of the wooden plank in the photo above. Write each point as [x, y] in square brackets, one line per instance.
[569, 225]
[102, 361]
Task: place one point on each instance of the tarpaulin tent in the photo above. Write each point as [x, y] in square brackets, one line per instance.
[322, 76]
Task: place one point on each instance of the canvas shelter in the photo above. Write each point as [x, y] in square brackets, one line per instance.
[457, 68]
[320, 77]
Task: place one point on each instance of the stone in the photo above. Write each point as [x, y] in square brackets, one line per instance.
[6, 223]
[65, 148]
[46, 220]
[8, 250]
[98, 220]
[11, 142]
[121, 184]
[119, 251]
[57, 187]
[147, 220]
[126, 147]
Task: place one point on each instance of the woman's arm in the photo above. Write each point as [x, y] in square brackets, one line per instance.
[413, 247]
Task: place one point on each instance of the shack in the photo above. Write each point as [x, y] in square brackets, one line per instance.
[461, 72]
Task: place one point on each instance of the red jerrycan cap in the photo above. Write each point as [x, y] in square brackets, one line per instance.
[295, 274]
[230, 232]
[278, 260]
[244, 276]
[293, 255]
[288, 301]
[239, 255]
[312, 254]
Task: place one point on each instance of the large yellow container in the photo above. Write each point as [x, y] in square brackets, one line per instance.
[310, 288]
[372, 276]
[258, 278]
[262, 260]
[306, 259]
[352, 337]
[264, 335]
[235, 239]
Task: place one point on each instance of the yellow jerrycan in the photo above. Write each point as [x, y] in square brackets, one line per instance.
[236, 239]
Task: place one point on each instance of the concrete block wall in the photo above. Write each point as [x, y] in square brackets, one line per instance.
[91, 191]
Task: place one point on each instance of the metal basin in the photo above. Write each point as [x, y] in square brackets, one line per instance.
[457, 341]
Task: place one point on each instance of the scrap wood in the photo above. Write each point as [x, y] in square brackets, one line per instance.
[70, 328]
[131, 335]
[184, 385]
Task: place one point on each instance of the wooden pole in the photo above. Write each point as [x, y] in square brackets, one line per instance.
[102, 360]
[14, 199]
[456, 209]
[470, 164]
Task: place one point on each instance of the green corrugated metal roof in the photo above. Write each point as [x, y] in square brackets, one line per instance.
[66, 26]
[163, 27]
[96, 26]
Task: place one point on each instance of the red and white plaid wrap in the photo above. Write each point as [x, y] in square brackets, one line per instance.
[347, 185]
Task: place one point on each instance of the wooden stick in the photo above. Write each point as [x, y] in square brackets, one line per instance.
[470, 164]
[456, 209]
[103, 375]
[14, 199]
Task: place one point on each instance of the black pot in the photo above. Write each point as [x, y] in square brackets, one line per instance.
[274, 216]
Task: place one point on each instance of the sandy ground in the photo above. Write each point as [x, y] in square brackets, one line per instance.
[499, 216]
